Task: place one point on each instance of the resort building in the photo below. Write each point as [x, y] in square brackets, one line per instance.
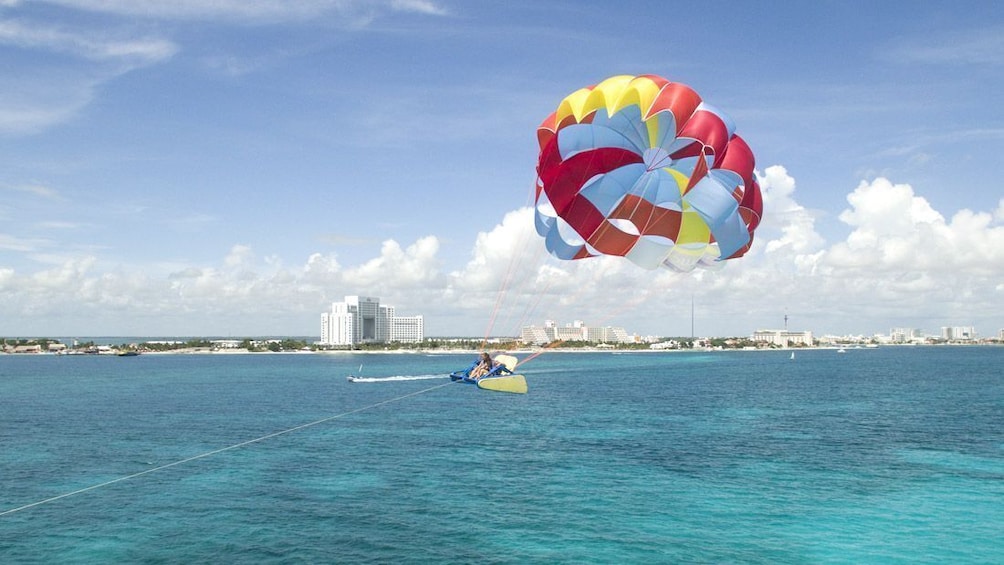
[362, 319]
[782, 338]
[576, 331]
[407, 329]
[958, 333]
[905, 335]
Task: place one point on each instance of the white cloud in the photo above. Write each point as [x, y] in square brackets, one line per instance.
[37, 190]
[240, 256]
[496, 253]
[886, 208]
[57, 225]
[782, 213]
[52, 91]
[36, 101]
[419, 6]
[398, 268]
[973, 46]
[895, 231]
[89, 44]
[14, 243]
[258, 11]
[901, 264]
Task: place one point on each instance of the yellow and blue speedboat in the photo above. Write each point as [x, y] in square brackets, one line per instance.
[501, 378]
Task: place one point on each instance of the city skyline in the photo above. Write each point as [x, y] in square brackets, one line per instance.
[232, 169]
[893, 335]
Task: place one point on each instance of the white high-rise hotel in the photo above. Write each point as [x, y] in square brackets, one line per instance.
[361, 319]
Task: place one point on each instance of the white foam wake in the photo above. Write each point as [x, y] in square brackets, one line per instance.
[396, 378]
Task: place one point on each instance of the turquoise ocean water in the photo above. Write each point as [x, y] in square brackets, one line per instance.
[893, 455]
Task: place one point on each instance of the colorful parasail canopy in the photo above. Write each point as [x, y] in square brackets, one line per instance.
[641, 167]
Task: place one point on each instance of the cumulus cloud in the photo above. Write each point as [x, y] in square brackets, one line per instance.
[413, 266]
[240, 256]
[901, 264]
[782, 213]
[495, 255]
[244, 292]
[895, 230]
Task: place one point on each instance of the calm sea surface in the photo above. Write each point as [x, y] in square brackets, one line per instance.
[894, 455]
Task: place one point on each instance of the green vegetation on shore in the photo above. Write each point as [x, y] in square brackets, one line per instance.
[276, 345]
[286, 345]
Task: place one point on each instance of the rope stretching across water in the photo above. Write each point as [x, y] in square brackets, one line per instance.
[217, 451]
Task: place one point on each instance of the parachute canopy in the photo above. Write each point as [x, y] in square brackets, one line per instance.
[641, 167]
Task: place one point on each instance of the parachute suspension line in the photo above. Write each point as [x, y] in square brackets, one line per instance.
[534, 261]
[516, 318]
[627, 306]
[515, 257]
[534, 305]
[503, 287]
[545, 349]
[217, 451]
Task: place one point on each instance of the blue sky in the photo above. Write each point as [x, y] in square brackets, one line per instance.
[200, 167]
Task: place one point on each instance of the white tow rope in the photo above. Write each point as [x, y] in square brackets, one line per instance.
[217, 451]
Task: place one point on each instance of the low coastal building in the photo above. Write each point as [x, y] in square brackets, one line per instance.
[958, 333]
[576, 331]
[782, 338]
[906, 335]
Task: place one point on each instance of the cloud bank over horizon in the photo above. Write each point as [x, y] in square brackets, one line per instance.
[901, 264]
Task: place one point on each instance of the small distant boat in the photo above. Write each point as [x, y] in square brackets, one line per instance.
[841, 350]
[792, 355]
[354, 378]
[128, 353]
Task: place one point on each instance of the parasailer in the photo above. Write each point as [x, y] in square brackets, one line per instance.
[643, 168]
[494, 375]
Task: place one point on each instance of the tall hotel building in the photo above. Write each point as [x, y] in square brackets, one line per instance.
[361, 319]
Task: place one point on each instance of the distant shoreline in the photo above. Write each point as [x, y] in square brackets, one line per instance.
[524, 351]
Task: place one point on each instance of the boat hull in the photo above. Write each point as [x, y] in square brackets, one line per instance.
[509, 383]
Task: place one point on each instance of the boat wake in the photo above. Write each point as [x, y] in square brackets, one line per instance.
[396, 378]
